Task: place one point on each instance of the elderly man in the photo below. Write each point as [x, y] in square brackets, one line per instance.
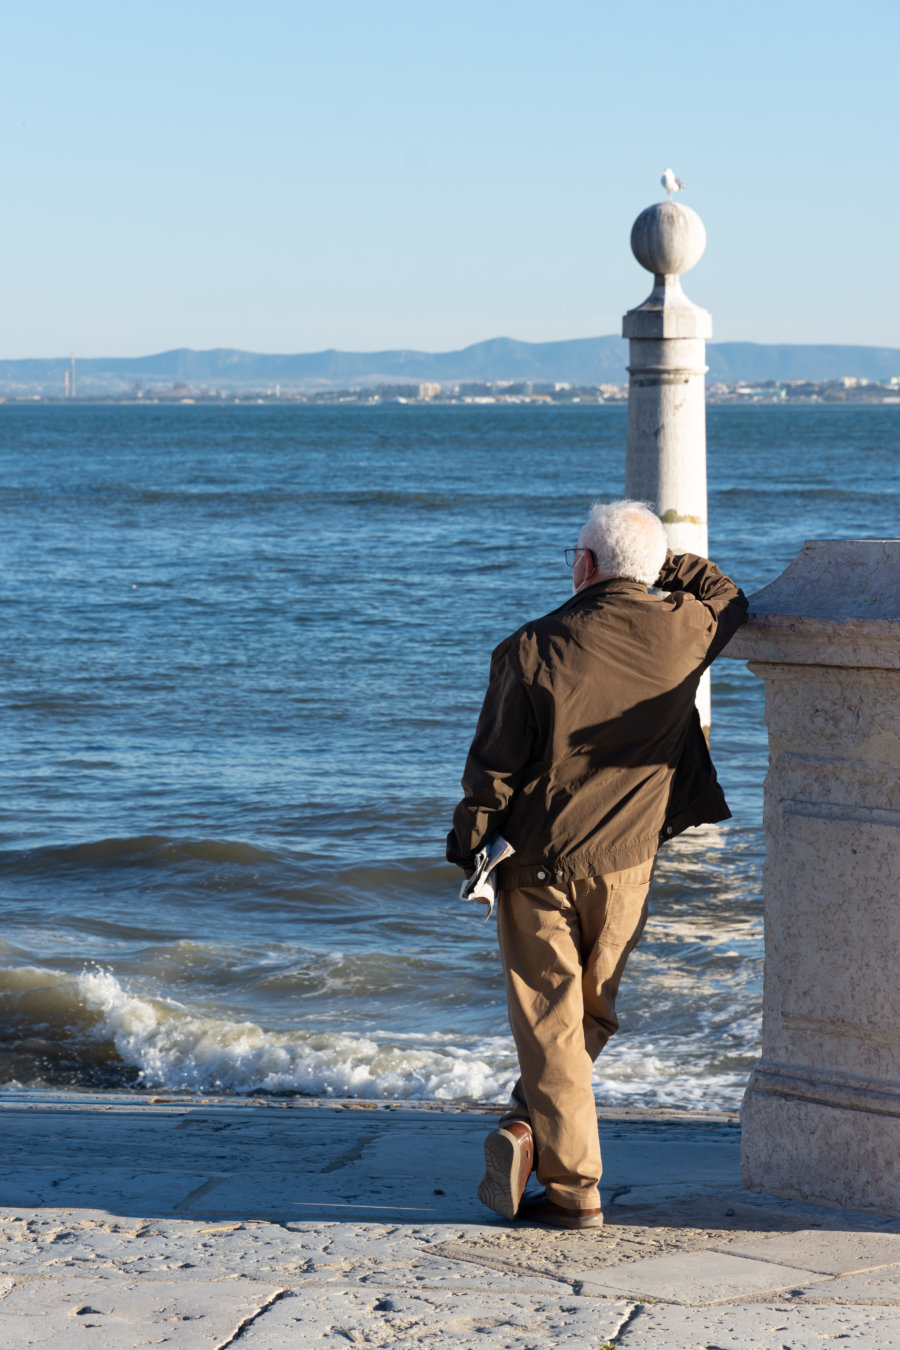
[587, 755]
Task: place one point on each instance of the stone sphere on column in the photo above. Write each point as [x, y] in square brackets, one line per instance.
[668, 239]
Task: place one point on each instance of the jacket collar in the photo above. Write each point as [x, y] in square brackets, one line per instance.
[613, 586]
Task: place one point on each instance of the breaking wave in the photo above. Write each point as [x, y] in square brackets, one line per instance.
[88, 1031]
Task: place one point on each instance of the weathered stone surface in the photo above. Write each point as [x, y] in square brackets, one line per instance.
[666, 433]
[769, 1328]
[342, 1316]
[307, 1163]
[115, 1313]
[877, 1286]
[835, 604]
[829, 1253]
[821, 1115]
[668, 238]
[202, 1279]
[695, 1278]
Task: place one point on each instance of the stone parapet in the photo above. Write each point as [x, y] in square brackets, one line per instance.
[821, 1113]
[837, 604]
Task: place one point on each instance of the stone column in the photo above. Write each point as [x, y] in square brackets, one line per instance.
[821, 1114]
[666, 437]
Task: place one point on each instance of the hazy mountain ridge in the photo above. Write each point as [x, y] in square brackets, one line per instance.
[599, 360]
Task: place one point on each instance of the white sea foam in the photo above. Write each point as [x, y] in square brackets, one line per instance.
[168, 1046]
[174, 1048]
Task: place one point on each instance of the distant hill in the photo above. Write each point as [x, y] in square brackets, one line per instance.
[752, 361]
[600, 360]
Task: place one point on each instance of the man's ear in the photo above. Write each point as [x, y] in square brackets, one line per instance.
[587, 577]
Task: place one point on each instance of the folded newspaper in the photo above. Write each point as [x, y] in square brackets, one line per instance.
[482, 884]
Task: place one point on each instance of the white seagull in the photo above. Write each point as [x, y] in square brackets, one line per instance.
[671, 183]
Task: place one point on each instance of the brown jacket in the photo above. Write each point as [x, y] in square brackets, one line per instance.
[588, 751]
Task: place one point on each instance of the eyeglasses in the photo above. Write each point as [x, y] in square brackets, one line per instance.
[574, 555]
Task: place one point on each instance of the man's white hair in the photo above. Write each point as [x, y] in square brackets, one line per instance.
[627, 539]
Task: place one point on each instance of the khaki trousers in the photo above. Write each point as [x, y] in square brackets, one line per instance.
[564, 949]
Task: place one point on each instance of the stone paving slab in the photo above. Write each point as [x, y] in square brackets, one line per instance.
[286, 1164]
[694, 1278]
[125, 1189]
[59, 1242]
[359, 1223]
[347, 1316]
[695, 1223]
[302, 1162]
[566, 1256]
[828, 1253]
[355, 1199]
[745, 1327]
[112, 1313]
[741, 1209]
[877, 1286]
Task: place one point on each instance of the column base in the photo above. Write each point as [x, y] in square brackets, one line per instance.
[831, 1141]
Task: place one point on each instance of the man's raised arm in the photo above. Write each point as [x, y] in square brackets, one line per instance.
[700, 578]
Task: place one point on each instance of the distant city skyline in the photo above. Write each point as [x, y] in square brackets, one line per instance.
[291, 178]
[570, 370]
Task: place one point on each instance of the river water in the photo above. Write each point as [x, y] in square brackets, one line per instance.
[244, 652]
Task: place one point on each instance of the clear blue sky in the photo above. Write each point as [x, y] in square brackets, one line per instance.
[362, 174]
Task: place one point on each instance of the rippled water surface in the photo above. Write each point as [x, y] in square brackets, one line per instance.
[244, 652]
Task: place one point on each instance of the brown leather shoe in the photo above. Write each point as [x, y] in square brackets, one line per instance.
[541, 1209]
[508, 1160]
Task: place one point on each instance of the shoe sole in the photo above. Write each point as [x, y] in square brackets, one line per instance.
[503, 1183]
[563, 1221]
